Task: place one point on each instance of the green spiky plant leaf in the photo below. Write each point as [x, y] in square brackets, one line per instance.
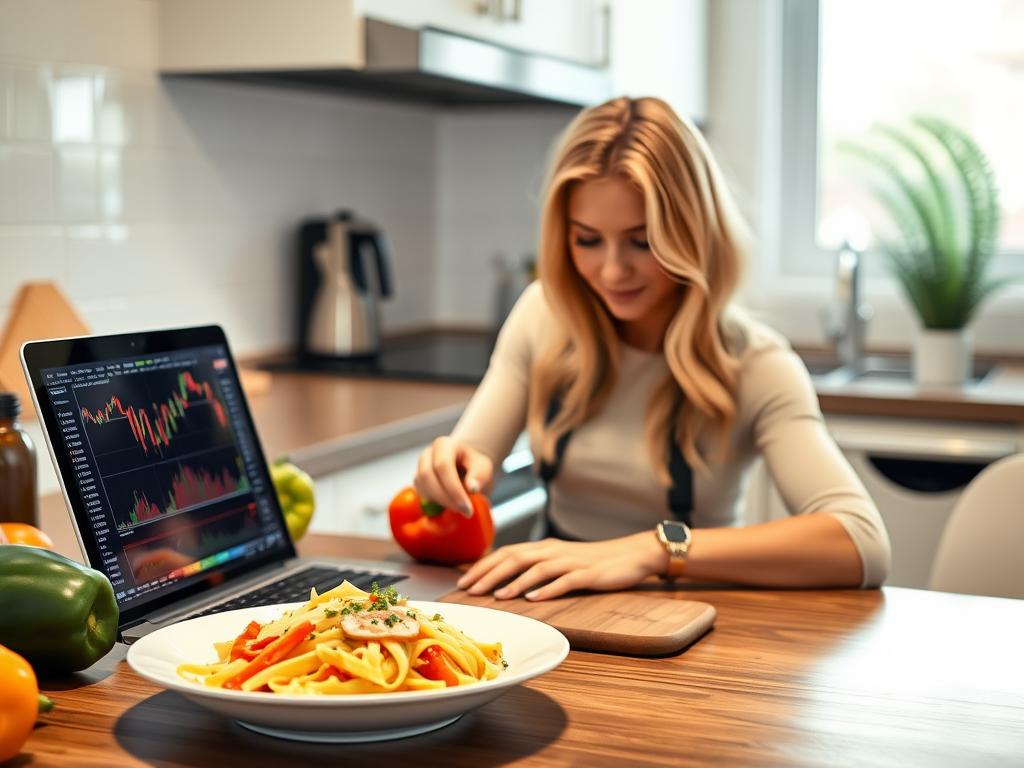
[947, 216]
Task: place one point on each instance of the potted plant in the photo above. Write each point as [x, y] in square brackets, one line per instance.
[938, 188]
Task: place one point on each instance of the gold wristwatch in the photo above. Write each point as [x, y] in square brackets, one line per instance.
[675, 537]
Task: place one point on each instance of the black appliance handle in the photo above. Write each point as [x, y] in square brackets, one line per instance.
[376, 241]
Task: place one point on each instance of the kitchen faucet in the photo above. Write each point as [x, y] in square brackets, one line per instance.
[846, 318]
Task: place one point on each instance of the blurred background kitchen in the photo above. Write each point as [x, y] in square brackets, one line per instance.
[159, 159]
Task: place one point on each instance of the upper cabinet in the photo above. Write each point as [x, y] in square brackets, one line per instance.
[457, 51]
[197, 35]
[576, 30]
[210, 36]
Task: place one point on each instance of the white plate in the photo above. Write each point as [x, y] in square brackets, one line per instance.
[530, 647]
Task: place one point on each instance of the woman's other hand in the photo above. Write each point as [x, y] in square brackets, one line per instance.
[563, 566]
[449, 471]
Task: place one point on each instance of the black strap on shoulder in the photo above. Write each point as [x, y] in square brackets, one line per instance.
[680, 492]
[548, 470]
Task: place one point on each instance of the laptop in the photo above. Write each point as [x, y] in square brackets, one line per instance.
[166, 483]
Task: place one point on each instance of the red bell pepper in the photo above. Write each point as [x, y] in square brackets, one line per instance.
[432, 533]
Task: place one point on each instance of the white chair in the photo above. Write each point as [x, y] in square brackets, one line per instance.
[982, 547]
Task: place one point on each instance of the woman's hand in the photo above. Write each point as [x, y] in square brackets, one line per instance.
[563, 566]
[447, 470]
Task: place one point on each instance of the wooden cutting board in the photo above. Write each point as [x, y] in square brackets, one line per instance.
[614, 622]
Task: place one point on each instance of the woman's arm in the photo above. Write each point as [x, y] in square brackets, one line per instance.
[809, 471]
[807, 551]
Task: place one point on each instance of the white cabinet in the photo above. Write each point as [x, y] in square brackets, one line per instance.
[269, 35]
[914, 471]
[355, 500]
[209, 36]
[570, 29]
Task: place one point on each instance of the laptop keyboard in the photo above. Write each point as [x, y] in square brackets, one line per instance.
[295, 587]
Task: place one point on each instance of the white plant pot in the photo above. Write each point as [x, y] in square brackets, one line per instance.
[942, 358]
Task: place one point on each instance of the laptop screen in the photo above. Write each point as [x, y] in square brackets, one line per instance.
[172, 488]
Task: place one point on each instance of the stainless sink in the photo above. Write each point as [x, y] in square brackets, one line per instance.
[894, 369]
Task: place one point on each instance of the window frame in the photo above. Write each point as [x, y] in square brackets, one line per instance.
[788, 192]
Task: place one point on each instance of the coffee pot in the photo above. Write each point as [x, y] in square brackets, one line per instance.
[344, 273]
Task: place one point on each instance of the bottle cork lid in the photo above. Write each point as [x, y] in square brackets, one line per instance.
[10, 405]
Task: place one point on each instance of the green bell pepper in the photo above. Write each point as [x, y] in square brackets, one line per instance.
[58, 614]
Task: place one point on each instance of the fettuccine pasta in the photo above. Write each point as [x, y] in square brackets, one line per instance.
[349, 641]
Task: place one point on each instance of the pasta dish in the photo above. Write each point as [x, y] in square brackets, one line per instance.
[349, 641]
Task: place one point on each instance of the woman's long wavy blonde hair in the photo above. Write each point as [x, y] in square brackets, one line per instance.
[698, 239]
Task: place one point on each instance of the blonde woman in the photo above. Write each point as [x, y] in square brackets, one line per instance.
[646, 397]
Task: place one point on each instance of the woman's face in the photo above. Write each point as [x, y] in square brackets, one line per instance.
[608, 241]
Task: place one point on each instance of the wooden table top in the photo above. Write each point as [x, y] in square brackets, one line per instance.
[840, 677]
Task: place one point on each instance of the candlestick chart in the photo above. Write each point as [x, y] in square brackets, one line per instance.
[149, 417]
[163, 445]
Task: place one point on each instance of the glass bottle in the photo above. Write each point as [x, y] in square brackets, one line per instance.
[18, 501]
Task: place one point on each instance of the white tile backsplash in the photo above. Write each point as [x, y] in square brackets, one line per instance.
[29, 100]
[30, 253]
[77, 184]
[491, 167]
[169, 201]
[26, 184]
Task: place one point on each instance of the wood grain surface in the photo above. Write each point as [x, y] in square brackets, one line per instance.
[635, 625]
[895, 677]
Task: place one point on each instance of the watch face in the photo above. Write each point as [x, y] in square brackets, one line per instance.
[674, 532]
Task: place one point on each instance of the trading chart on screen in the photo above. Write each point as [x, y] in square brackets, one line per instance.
[166, 466]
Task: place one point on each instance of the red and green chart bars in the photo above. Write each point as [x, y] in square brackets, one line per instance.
[156, 432]
[189, 487]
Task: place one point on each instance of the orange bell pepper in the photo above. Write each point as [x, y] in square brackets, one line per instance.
[20, 702]
[427, 531]
[23, 533]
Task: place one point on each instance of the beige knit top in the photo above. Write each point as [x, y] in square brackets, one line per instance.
[606, 486]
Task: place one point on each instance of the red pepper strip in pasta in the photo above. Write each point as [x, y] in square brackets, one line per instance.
[238, 647]
[331, 671]
[435, 667]
[272, 654]
[252, 649]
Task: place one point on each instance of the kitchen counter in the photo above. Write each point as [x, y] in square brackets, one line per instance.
[998, 397]
[310, 417]
[806, 678]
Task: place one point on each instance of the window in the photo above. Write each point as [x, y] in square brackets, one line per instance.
[847, 65]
